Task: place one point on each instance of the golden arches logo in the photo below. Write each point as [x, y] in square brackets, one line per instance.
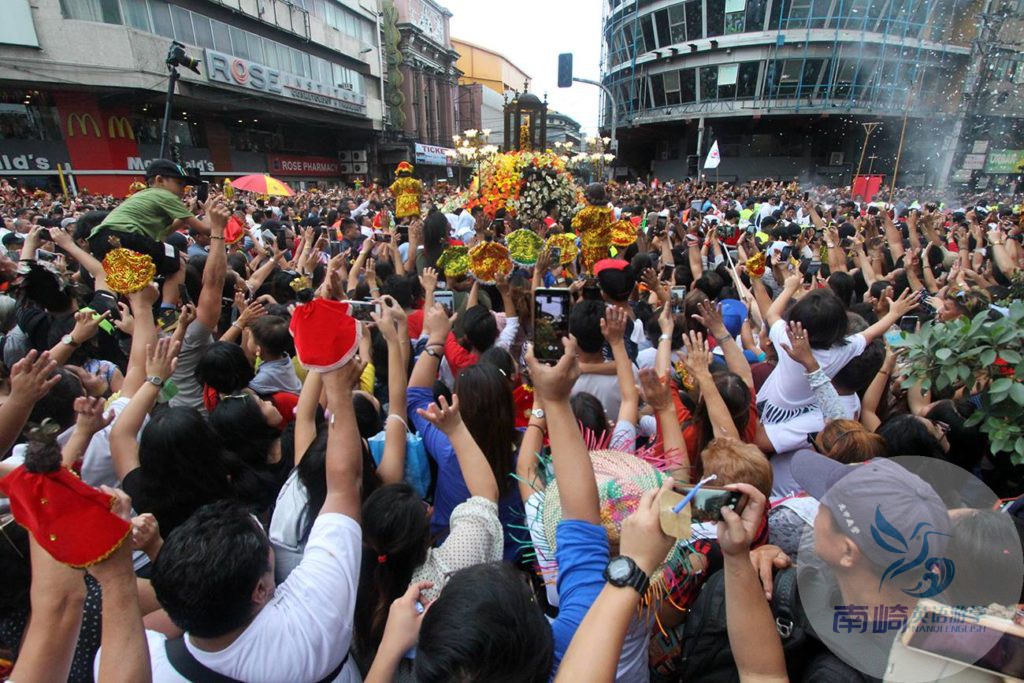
[119, 127]
[82, 120]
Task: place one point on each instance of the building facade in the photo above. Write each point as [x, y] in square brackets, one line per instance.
[422, 93]
[488, 79]
[289, 88]
[784, 85]
[563, 128]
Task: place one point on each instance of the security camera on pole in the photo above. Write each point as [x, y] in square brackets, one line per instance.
[176, 57]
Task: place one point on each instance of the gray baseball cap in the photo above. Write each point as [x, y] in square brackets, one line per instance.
[880, 504]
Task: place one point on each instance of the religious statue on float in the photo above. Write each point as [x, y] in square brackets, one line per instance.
[406, 191]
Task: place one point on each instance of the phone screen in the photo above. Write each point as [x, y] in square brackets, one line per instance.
[908, 323]
[550, 323]
[707, 505]
[361, 310]
[678, 295]
[446, 298]
[203, 192]
[989, 643]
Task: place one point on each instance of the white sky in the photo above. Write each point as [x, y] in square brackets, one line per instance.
[531, 34]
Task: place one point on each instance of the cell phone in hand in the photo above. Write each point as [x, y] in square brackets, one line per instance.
[707, 505]
[202, 192]
[909, 323]
[183, 296]
[551, 307]
[678, 295]
[361, 310]
[446, 298]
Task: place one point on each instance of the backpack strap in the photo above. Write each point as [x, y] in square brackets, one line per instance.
[784, 602]
[185, 663]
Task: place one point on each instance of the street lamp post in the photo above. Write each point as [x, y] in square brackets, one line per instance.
[472, 147]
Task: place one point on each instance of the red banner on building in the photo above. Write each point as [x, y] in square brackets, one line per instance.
[97, 140]
[324, 167]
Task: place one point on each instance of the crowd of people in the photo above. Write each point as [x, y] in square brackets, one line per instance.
[440, 504]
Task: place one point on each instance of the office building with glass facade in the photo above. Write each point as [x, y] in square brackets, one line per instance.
[784, 85]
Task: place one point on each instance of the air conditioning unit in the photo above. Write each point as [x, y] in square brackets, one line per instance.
[346, 168]
[345, 86]
[359, 155]
[344, 156]
[360, 169]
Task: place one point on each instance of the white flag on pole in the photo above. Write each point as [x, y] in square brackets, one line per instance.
[713, 157]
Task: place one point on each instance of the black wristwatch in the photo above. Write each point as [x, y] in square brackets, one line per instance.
[622, 571]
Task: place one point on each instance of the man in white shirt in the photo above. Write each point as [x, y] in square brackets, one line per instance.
[214, 577]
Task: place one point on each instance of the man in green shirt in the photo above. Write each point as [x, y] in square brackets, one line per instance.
[142, 221]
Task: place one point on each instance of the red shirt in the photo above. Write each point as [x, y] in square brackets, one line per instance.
[458, 358]
[415, 323]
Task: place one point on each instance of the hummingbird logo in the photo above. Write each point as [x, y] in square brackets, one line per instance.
[913, 553]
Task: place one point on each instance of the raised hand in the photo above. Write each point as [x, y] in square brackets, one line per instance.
[86, 325]
[656, 392]
[642, 539]
[710, 316]
[162, 358]
[32, 377]
[698, 356]
[799, 348]
[737, 531]
[442, 415]
[428, 279]
[905, 303]
[91, 417]
[613, 324]
[553, 383]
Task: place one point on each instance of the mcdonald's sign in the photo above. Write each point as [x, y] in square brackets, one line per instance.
[82, 120]
[119, 127]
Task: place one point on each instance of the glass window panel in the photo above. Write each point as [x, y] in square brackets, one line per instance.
[819, 13]
[694, 28]
[306, 70]
[708, 83]
[296, 61]
[755, 15]
[658, 90]
[746, 79]
[110, 11]
[727, 74]
[661, 22]
[204, 33]
[780, 8]
[181, 18]
[255, 48]
[270, 53]
[716, 17]
[687, 85]
[161, 14]
[735, 5]
[677, 23]
[239, 43]
[798, 13]
[671, 79]
[336, 68]
[221, 36]
[734, 22]
[647, 31]
[136, 15]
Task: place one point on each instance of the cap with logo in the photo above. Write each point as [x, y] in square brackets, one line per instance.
[169, 169]
[855, 494]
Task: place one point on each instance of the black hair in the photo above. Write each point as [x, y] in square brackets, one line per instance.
[878, 287]
[488, 411]
[435, 237]
[617, 285]
[271, 334]
[59, 402]
[243, 429]
[224, 368]
[485, 626]
[479, 327]
[86, 222]
[857, 374]
[208, 567]
[841, 285]
[182, 466]
[591, 416]
[711, 283]
[907, 435]
[399, 288]
[502, 360]
[585, 324]
[396, 537]
[368, 418]
[823, 316]
[967, 445]
[985, 547]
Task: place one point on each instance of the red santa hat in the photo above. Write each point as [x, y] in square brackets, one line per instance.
[326, 335]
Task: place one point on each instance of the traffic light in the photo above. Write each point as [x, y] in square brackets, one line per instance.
[565, 70]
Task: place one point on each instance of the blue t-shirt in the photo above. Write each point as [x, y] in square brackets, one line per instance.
[451, 488]
[581, 550]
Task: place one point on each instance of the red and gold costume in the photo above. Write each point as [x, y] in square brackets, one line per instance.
[406, 191]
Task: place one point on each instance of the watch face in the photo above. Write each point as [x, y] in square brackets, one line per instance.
[619, 569]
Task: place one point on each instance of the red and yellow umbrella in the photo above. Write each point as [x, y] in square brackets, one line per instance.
[263, 184]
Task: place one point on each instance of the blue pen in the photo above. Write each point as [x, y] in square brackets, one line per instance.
[693, 492]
